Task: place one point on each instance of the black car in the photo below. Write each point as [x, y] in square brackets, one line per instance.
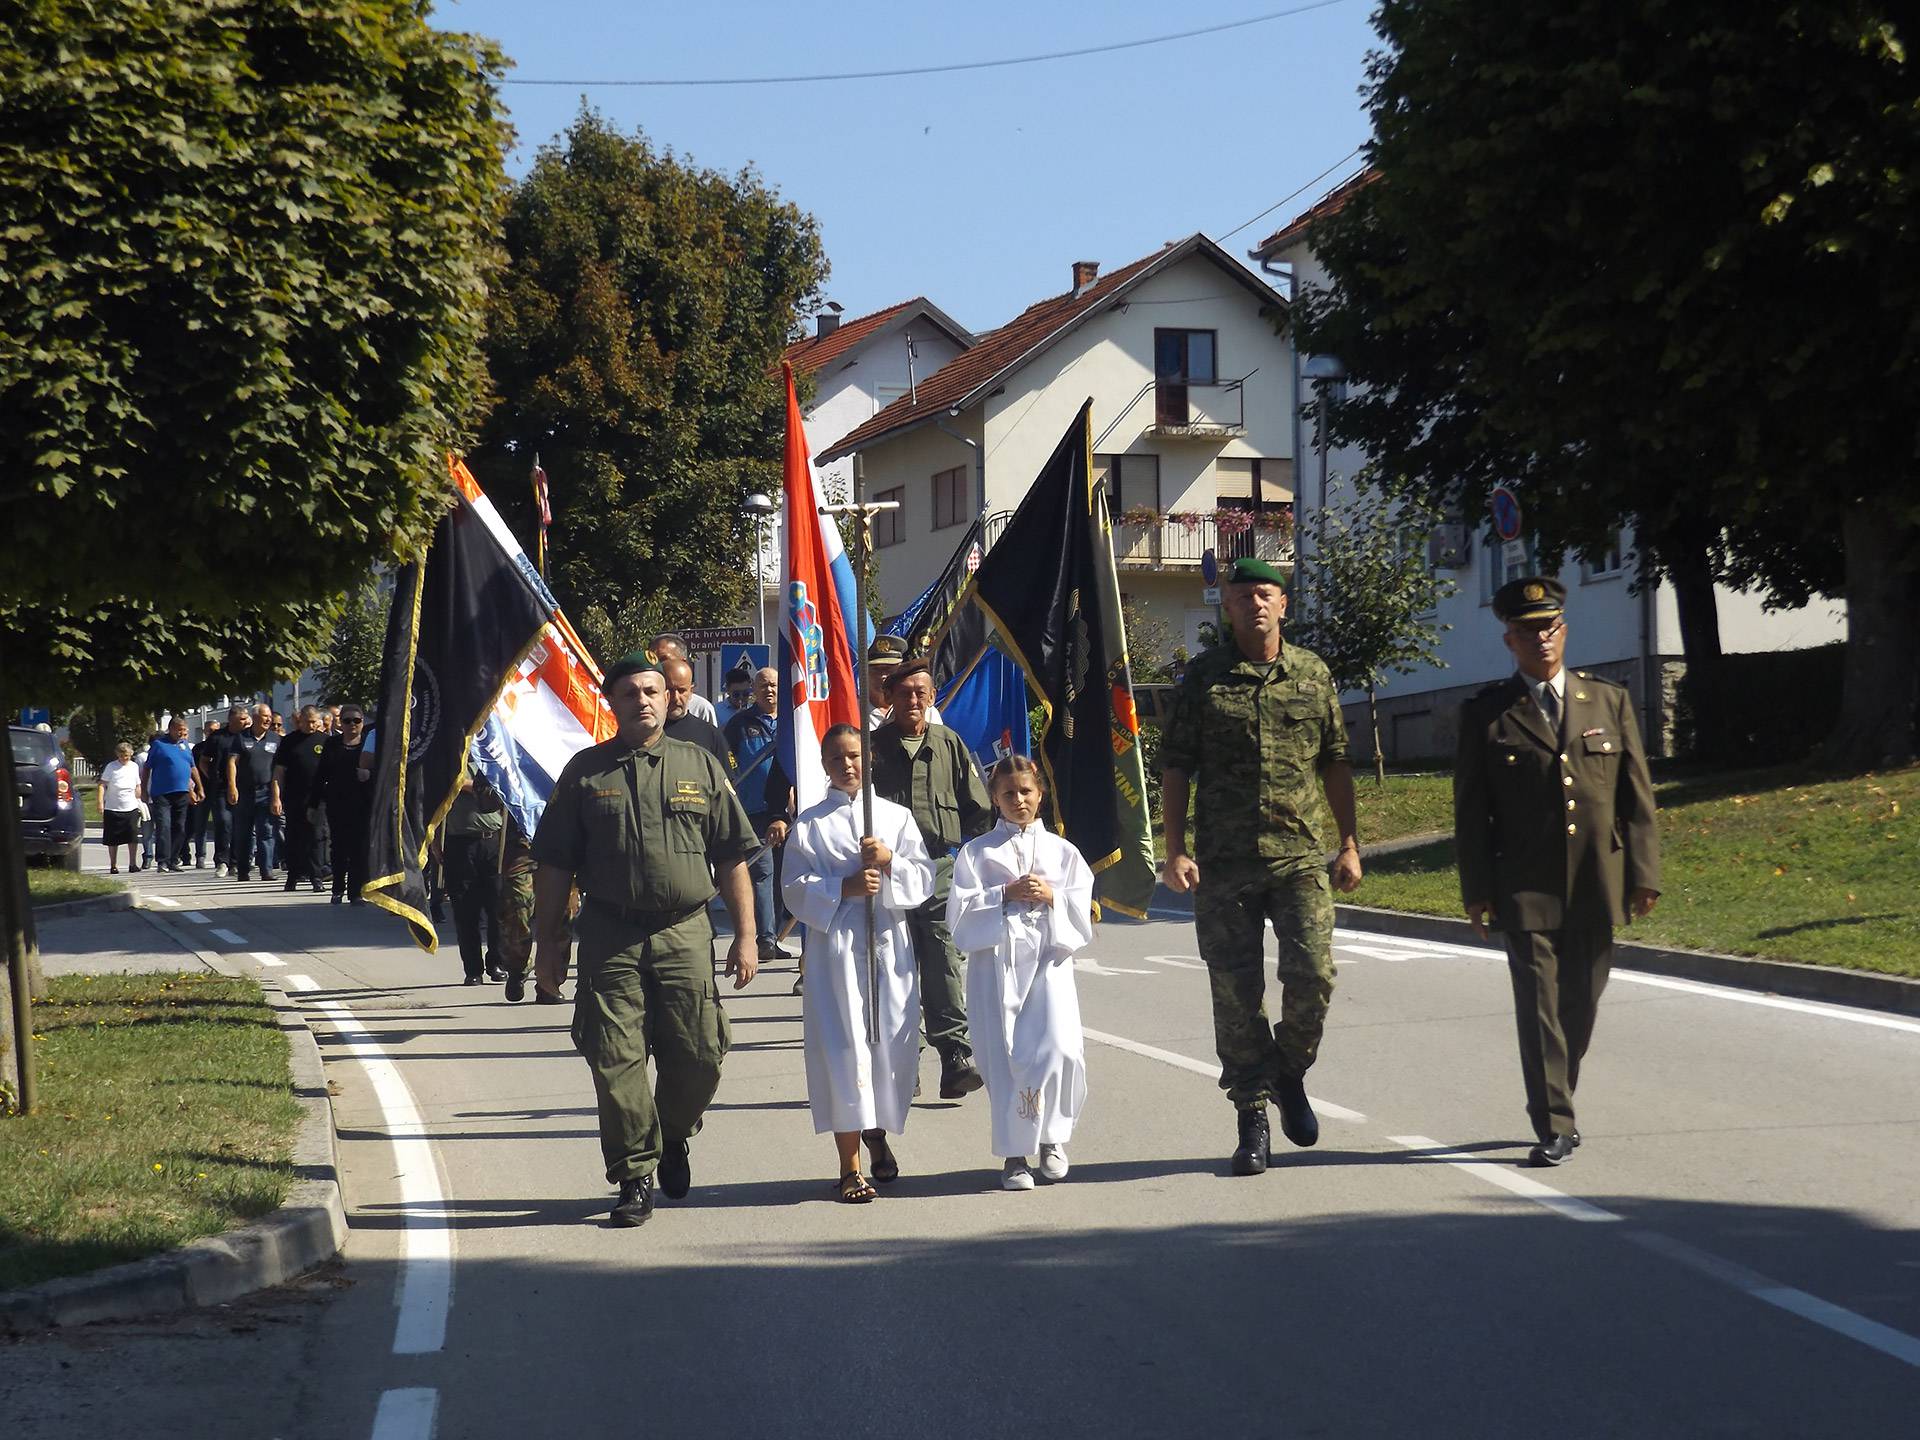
[51, 822]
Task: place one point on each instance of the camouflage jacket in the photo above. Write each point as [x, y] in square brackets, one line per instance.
[1254, 739]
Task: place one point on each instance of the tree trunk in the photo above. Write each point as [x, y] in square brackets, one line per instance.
[1686, 555]
[22, 960]
[1882, 680]
[1379, 760]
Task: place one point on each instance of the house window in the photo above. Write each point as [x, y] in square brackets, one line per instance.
[950, 498]
[1181, 358]
[885, 395]
[889, 526]
[1609, 565]
[1132, 483]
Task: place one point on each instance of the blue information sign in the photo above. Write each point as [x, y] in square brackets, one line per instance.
[757, 656]
[1209, 568]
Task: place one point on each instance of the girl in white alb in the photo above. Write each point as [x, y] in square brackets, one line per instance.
[1021, 903]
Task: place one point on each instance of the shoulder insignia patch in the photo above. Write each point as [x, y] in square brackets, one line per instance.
[688, 787]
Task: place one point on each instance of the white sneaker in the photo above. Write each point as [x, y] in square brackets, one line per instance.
[1053, 1162]
[1015, 1175]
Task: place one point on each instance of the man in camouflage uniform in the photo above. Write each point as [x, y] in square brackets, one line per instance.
[1257, 721]
[516, 909]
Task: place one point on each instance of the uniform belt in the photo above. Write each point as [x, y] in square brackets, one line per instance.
[656, 918]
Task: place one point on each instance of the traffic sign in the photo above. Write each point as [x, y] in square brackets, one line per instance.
[1210, 595]
[1506, 513]
[712, 637]
[1210, 572]
[756, 656]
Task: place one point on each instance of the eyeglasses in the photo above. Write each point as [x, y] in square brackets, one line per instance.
[352, 720]
[1537, 632]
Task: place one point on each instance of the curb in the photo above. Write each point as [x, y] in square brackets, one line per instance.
[306, 1231]
[1862, 988]
[119, 900]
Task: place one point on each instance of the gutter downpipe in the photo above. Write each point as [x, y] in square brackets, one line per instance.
[1291, 274]
[979, 468]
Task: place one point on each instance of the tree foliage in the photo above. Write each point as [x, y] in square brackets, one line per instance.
[349, 669]
[1364, 598]
[243, 258]
[96, 733]
[1652, 262]
[634, 344]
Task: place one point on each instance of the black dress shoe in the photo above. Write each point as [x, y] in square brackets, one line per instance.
[771, 950]
[959, 1077]
[676, 1171]
[516, 986]
[1256, 1140]
[1576, 1139]
[635, 1205]
[1552, 1152]
[1297, 1120]
[288, 887]
[473, 980]
[542, 997]
[496, 974]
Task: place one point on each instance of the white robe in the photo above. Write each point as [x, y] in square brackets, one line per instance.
[853, 1085]
[1021, 1003]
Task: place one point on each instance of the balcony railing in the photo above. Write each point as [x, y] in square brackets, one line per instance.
[1177, 543]
[1211, 409]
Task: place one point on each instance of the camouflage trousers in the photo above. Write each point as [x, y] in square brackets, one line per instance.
[1232, 907]
[516, 903]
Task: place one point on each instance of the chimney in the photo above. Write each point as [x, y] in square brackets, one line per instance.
[825, 323]
[1085, 272]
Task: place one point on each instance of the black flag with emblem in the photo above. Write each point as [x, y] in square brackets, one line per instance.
[1050, 589]
[462, 620]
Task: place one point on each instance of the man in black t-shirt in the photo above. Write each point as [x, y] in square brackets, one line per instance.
[200, 818]
[296, 769]
[250, 757]
[343, 793]
[226, 853]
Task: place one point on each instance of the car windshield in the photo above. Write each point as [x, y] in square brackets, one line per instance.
[31, 747]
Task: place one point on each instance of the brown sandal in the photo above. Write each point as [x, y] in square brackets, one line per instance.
[854, 1189]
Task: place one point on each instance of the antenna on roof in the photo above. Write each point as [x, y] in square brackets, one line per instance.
[913, 389]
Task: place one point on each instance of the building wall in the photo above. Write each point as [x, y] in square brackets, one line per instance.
[861, 383]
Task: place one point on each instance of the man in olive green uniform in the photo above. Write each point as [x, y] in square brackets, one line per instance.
[928, 768]
[1257, 721]
[1554, 824]
[637, 821]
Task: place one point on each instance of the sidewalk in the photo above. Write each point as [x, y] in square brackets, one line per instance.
[102, 942]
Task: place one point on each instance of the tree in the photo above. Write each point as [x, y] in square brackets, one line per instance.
[635, 345]
[97, 733]
[1364, 597]
[350, 669]
[1653, 262]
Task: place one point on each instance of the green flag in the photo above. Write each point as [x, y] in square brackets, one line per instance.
[1050, 587]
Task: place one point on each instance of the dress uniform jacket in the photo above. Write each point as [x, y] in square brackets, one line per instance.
[1554, 830]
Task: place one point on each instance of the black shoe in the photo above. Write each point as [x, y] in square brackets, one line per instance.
[474, 980]
[1576, 1139]
[1297, 1120]
[541, 997]
[496, 974]
[516, 986]
[317, 886]
[635, 1205]
[959, 1077]
[1552, 1152]
[1256, 1141]
[357, 900]
[288, 887]
[268, 875]
[676, 1171]
[770, 950]
[199, 864]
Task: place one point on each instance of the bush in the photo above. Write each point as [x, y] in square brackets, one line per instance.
[95, 733]
[1763, 709]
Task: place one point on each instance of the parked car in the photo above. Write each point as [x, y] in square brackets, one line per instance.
[51, 820]
[1154, 703]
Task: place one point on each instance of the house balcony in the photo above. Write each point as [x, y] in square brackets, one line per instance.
[1213, 410]
[1176, 542]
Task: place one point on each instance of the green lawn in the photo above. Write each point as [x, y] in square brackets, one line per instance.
[165, 1113]
[1405, 805]
[50, 885]
[1764, 862]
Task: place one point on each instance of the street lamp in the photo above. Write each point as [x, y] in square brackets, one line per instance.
[759, 508]
[1324, 371]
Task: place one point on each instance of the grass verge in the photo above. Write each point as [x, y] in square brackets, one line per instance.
[50, 885]
[166, 1113]
[1775, 863]
[1405, 805]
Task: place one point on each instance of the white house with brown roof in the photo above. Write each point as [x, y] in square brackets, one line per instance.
[1630, 638]
[1192, 419]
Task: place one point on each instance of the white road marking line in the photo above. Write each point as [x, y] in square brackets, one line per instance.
[405, 1414]
[1344, 936]
[1087, 965]
[272, 962]
[1824, 1313]
[426, 1274]
[1771, 1002]
[302, 982]
[1212, 1072]
[1185, 962]
[196, 917]
[1377, 952]
[164, 901]
[1506, 1178]
[229, 936]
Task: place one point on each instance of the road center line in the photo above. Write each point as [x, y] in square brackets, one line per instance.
[405, 1414]
[271, 961]
[196, 917]
[229, 936]
[1771, 1002]
[1506, 1178]
[426, 1272]
[1212, 1072]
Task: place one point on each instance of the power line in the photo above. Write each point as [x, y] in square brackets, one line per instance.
[944, 69]
[1222, 239]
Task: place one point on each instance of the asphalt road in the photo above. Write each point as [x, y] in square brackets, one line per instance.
[1733, 1251]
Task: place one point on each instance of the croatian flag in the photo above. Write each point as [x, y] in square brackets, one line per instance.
[820, 626]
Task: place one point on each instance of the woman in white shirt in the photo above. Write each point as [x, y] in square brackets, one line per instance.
[120, 808]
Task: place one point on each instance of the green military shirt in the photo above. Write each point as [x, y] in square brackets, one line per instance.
[638, 826]
[472, 815]
[938, 782]
[1254, 739]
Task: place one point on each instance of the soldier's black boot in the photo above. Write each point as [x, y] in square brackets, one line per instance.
[959, 1077]
[676, 1170]
[1297, 1120]
[635, 1205]
[1256, 1139]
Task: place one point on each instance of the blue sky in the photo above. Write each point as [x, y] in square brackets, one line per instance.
[977, 189]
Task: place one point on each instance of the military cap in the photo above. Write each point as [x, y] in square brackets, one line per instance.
[908, 668]
[638, 663]
[1249, 571]
[1531, 597]
[886, 650]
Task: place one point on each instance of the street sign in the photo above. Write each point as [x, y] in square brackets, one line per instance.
[1210, 595]
[756, 656]
[1210, 572]
[1506, 513]
[712, 637]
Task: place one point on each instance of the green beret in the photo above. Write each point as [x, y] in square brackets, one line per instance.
[638, 663]
[1249, 571]
[1531, 597]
